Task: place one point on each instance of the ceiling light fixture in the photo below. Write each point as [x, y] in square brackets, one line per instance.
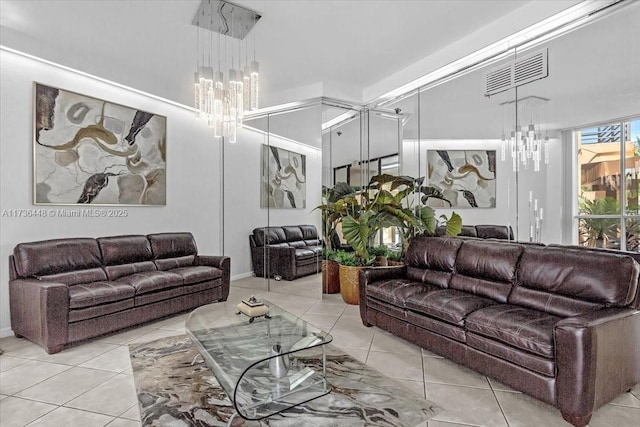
[221, 101]
[530, 145]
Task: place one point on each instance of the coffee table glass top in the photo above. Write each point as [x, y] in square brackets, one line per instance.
[261, 363]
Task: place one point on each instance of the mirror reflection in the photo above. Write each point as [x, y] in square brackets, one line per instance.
[554, 160]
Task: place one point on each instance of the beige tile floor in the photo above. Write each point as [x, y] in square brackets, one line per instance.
[92, 384]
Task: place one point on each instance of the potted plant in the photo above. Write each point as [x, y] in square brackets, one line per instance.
[395, 258]
[378, 206]
[349, 272]
[333, 208]
[380, 254]
[427, 221]
[330, 271]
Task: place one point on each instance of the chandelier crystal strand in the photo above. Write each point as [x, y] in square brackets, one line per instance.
[232, 88]
[527, 144]
[219, 101]
[255, 77]
[246, 78]
[239, 87]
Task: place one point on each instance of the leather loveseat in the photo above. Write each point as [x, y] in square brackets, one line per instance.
[286, 252]
[66, 290]
[558, 323]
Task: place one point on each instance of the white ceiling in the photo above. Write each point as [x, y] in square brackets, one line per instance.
[313, 47]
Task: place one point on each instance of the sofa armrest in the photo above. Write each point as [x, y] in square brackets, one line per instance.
[597, 358]
[40, 312]
[280, 261]
[221, 262]
[370, 275]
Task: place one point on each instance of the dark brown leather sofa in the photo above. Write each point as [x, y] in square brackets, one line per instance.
[288, 252]
[558, 323]
[489, 231]
[66, 290]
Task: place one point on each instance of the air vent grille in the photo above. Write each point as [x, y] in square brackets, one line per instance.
[517, 73]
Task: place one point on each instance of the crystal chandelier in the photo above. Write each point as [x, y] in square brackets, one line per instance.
[526, 145]
[221, 101]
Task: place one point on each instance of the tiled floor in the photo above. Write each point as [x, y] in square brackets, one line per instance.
[92, 384]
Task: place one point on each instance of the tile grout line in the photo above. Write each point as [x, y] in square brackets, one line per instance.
[495, 396]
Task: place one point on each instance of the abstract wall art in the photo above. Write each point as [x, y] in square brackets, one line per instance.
[461, 178]
[92, 151]
[283, 179]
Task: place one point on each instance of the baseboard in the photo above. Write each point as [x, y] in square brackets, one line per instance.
[242, 276]
[5, 332]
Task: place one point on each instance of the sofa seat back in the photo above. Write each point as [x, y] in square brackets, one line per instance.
[569, 282]
[67, 261]
[491, 231]
[265, 236]
[173, 250]
[431, 260]
[296, 236]
[126, 255]
[486, 269]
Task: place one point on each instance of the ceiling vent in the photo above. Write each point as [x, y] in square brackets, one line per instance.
[518, 72]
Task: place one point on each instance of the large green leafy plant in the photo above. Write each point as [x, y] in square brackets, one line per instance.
[333, 209]
[390, 201]
[378, 206]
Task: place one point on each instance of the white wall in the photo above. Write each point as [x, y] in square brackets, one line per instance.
[242, 211]
[193, 169]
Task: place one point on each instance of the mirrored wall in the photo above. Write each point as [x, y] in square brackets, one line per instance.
[556, 159]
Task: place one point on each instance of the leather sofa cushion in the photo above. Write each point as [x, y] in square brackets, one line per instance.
[541, 365]
[297, 244]
[313, 242]
[165, 294]
[268, 236]
[177, 262]
[292, 233]
[556, 304]
[56, 256]
[198, 273]
[100, 310]
[479, 258]
[309, 232]
[486, 269]
[172, 245]
[125, 249]
[430, 277]
[76, 277]
[434, 253]
[449, 305]
[396, 291]
[116, 271]
[92, 294]
[520, 327]
[316, 249]
[494, 232]
[151, 281]
[582, 275]
[304, 253]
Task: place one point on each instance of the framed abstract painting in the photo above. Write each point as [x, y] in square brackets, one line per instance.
[461, 178]
[92, 151]
[284, 182]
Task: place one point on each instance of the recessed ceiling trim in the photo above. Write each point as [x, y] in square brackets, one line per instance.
[559, 23]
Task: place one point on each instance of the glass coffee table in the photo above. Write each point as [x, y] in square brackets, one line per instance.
[260, 362]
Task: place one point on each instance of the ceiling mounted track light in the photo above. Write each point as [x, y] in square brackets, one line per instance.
[221, 99]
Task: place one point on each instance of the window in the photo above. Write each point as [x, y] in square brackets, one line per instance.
[608, 184]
